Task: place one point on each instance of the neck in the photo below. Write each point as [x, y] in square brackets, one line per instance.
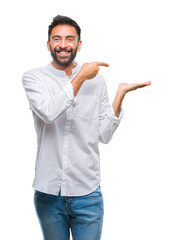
[67, 69]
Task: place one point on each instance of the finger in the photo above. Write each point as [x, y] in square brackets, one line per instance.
[140, 85]
[102, 64]
[145, 84]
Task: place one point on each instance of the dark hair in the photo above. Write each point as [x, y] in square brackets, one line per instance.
[63, 20]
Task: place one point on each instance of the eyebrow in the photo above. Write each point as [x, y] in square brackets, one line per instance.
[66, 36]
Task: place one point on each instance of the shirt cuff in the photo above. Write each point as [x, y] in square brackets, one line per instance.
[113, 118]
[68, 89]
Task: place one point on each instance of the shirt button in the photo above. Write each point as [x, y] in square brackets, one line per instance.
[67, 104]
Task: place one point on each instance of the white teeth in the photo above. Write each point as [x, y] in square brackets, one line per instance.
[63, 52]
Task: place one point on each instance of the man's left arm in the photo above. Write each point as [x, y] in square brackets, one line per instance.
[123, 89]
[111, 115]
[108, 122]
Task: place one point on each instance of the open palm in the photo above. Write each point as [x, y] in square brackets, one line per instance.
[125, 87]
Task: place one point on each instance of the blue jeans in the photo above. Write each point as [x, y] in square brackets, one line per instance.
[57, 214]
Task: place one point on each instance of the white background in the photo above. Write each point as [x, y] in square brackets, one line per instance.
[136, 38]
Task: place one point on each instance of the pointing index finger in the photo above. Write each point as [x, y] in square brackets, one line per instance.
[102, 64]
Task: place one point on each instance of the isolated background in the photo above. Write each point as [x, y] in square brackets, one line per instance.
[135, 37]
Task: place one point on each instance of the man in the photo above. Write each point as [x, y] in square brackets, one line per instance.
[72, 114]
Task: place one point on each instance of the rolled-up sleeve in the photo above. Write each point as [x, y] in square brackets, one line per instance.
[108, 122]
[46, 107]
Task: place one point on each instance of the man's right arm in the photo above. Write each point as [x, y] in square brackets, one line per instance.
[87, 71]
[47, 107]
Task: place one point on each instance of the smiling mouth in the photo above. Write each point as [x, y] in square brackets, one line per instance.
[63, 53]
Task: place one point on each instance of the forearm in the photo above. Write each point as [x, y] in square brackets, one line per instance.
[88, 71]
[77, 83]
[121, 92]
[118, 101]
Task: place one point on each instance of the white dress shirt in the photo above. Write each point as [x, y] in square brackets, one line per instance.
[68, 129]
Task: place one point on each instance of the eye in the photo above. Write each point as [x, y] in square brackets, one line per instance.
[56, 39]
[70, 39]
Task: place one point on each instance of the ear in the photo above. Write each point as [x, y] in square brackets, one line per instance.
[79, 46]
[48, 46]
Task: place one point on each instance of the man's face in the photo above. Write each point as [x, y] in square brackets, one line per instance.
[64, 44]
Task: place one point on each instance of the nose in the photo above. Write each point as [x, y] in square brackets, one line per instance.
[63, 43]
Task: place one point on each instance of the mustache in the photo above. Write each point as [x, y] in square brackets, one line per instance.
[63, 49]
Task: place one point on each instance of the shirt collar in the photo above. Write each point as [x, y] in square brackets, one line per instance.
[62, 73]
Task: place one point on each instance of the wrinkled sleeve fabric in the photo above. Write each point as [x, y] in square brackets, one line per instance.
[46, 107]
[108, 122]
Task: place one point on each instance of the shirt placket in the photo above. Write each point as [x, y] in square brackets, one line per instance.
[65, 151]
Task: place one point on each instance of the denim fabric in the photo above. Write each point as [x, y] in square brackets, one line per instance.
[58, 214]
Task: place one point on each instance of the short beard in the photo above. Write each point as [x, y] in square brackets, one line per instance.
[63, 63]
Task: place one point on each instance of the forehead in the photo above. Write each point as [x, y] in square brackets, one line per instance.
[64, 30]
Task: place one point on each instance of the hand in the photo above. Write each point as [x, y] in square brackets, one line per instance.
[90, 70]
[121, 92]
[125, 87]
